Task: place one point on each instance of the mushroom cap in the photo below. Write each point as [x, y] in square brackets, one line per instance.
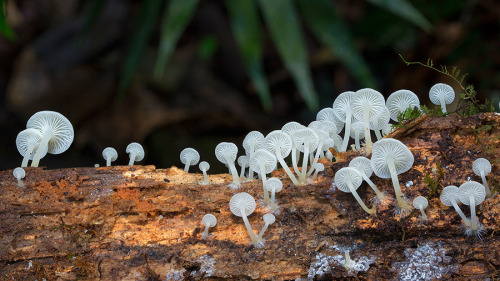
[26, 138]
[57, 125]
[347, 174]
[209, 220]
[337, 140]
[242, 200]
[361, 163]
[137, 148]
[399, 101]
[278, 142]
[291, 127]
[243, 160]
[341, 104]
[300, 136]
[327, 143]
[387, 129]
[328, 114]
[471, 187]
[324, 125]
[384, 148]
[441, 90]
[265, 157]
[226, 150]
[19, 173]
[190, 154]
[420, 202]
[273, 184]
[319, 167]
[357, 128]
[369, 99]
[204, 166]
[481, 164]
[110, 152]
[269, 218]
[448, 195]
[383, 118]
[253, 139]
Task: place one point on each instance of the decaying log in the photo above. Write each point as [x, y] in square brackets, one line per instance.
[143, 223]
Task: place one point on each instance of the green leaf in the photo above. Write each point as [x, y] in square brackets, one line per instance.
[176, 16]
[145, 25]
[245, 24]
[283, 23]
[5, 29]
[406, 10]
[322, 18]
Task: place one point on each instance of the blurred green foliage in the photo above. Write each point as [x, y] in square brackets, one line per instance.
[5, 29]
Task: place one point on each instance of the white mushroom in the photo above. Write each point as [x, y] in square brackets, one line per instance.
[449, 197]
[242, 205]
[243, 161]
[264, 162]
[204, 166]
[399, 101]
[280, 144]
[343, 111]
[268, 220]
[109, 154]
[482, 167]
[57, 133]
[226, 153]
[328, 114]
[377, 123]
[318, 168]
[366, 105]
[420, 202]
[252, 141]
[472, 193]
[364, 167]
[348, 180]
[442, 94]
[189, 157]
[27, 142]
[357, 133]
[305, 140]
[273, 185]
[19, 174]
[290, 128]
[390, 158]
[135, 152]
[208, 220]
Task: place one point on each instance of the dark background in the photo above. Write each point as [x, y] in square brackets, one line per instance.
[73, 56]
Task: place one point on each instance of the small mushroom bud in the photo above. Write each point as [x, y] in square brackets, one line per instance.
[136, 153]
[268, 220]
[19, 174]
[421, 203]
[208, 220]
[482, 167]
[273, 185]
[189, 157]
[204, 167]
[110, 154]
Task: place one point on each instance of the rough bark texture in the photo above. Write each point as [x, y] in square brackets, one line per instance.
[143, 223]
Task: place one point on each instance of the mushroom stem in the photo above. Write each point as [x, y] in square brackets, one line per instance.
[27, 155]
[295, 161]
[366, 129]
[356, 142]
[273, 200]
[108, 161]
[205, 233]
[402, 204]
[302, 177]
[485, 183]
[353, 191]
[347, 129]
[261, 233]
[473, 212]
[20, 183]
[424, 216]
[234, 172]
[250, 155]
[460, 213]
[41, 148]
[263, 176]
[254, 238]
[375, 126]
[379, 193]
[186, 167]
[133, 155]
[287, 170]
[315, 159]
[205, 177]
[443, 104]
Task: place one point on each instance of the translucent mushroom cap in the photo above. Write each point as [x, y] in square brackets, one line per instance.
[346, 174]
[399, 101]
[300, 137]
[448, 195]
[319, 167]
[204, 166]
[471, 188]
[441, 90]
[27, 138]
[242, 200]
[420, 202]
[328, 114]
[110, 152]
[383, 118]
[327, 126]
[225, 150]
[367, 99]
[327, 143]
[243, 160]
[385, 148]
[387, 129]
[291, 127]
[338, 141]
[481, 164]
[357, 129]
[209, 220]
[57, 125]
[266, 158]
[274, 184]
[278, 142]
[269, 218]
[19, 173]
[253, 141]
[361, 163]
[190, 155]
[342, 104]
[137, 148]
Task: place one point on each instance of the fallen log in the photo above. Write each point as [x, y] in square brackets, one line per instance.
[143, 223]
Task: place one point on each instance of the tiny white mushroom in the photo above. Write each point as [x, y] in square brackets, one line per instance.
[442, 94]
[264, 162]
[421, 203]
[109, 154]
[366, 105]
[472, 193]
[273, 185]
[242, 205]
[208, 220]
[377, 123]
[226, 153]
[136, 152]
[27, 142]
[243, 161]
[401, 100]
[318, 168]
[189, 157]
[57, 133]
[449, 197]
[19, 174]
[268, 220]
[348, 264]
[280, 144]
[290, 128]
[482, 167]
[252, 141]
[364, 167]
[305, 140]
[343, 110]
[328, 114]
[348, 180]
[357, 133]
[204, 166]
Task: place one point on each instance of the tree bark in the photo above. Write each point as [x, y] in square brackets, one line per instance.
[143, 223]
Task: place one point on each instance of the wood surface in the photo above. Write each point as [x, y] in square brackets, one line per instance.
[143, 223]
